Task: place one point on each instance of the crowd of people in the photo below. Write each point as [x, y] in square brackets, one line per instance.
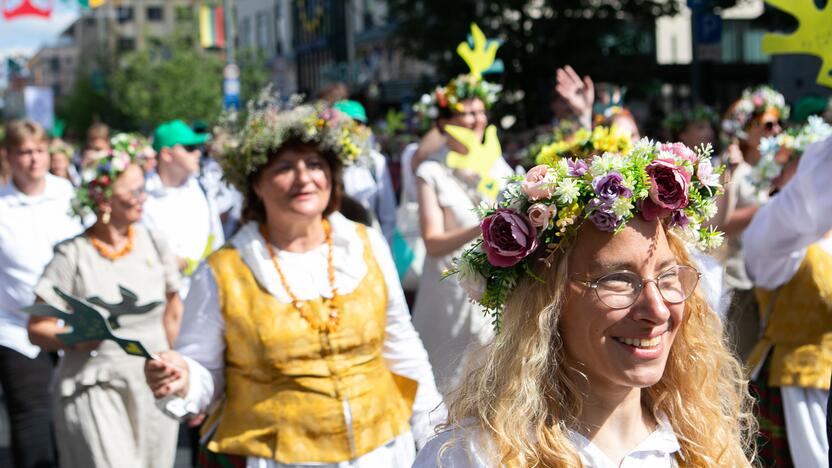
[612, 301]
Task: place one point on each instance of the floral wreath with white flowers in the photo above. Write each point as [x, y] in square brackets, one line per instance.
[753, 103]
[97, 182]
[134, 145]
[243, 146]
[776, 151]
[539, 212]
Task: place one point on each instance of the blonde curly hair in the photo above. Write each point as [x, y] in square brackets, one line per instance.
[522, 401]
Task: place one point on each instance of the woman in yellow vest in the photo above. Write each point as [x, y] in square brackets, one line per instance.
[789, 257]
[296, 337]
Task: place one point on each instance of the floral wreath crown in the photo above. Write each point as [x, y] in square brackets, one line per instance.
[480, 59]
[676, 121]
[753, 103]
[134, 145]
[542, 211]
[242, 147]
[97, 181]
[62, 147]
[777, 150]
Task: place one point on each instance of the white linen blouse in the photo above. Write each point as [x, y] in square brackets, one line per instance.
[202, 338]
[797, 217]
[658, 450]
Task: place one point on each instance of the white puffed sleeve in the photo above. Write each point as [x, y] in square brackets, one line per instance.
[776, 240]
[403, 352]
[201, 339]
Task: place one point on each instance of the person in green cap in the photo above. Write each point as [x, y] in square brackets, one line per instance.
[368, 181]
[178, 205]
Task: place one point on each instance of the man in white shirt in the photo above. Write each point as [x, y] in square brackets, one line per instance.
[177, 205]
[369, 181]
[34, 216]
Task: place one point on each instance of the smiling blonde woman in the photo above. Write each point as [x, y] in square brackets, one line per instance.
[607, 354]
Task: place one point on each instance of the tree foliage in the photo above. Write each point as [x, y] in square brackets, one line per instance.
[611, 40]
[168, 80]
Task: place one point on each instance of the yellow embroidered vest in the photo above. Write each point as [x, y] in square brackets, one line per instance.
[800, 326]
[294, 394]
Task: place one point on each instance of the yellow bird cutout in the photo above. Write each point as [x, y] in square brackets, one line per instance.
[481, 57]
[192, 264]
[480, 159]
[812, 37]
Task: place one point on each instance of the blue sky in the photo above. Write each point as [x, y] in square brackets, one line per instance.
[25, 35]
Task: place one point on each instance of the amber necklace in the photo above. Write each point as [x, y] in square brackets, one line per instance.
[111, 254]
[331, 323]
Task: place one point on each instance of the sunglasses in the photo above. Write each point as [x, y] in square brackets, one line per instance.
[769, 125]
[191, 148]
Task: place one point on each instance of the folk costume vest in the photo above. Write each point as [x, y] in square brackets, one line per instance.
[296, 394]
[799, 326]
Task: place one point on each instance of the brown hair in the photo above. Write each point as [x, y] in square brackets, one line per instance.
[20, 130]
[98, 131]
[254, 210]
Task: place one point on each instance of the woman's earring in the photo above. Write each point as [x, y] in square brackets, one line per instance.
[105, 217]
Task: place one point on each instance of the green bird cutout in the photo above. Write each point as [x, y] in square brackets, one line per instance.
[127, 306]
[481, 157]
[87, 324]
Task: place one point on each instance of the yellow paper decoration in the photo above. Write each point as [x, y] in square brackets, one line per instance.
[481, 57]
[812, 37]
[480, 159]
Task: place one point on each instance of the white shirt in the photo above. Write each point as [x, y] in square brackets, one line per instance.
[202, 338]
[186, 218]
[30, 226]
[658, 450]
[368, 182]
[798, 216]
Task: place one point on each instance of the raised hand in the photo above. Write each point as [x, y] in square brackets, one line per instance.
[480, 158]
[481, 57]
[578, 93]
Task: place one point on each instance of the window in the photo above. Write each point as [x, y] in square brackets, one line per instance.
[55, 64]
[155, 13]
[124, 14]
[126, 44]
[184, 13]
[245, 33]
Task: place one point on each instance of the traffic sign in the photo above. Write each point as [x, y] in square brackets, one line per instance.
[708, 28]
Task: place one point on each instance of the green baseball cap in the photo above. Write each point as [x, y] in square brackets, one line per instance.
[353, 109]
[176, 132]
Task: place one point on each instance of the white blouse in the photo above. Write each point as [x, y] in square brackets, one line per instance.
[798, 216]
[658, 450]
[202, 338]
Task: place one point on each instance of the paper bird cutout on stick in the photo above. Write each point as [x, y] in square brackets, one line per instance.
[481, 57]
[127, 306]
[87, 324]
[812, 37]
[481, 156]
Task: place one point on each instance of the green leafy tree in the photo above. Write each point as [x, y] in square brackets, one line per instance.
[611, 40]
[254, 72]
[168, 80]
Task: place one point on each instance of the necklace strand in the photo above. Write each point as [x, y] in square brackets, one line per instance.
[112, 254]
[303, 308]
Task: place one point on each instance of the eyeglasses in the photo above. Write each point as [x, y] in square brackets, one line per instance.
[134, 194]
[621, 289]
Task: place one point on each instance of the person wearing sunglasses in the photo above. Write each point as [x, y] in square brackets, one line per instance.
[758, 113]
[178, 205]
[606, 351]
[104, 414]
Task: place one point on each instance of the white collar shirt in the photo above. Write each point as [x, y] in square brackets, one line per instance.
[30, 226]
[185, 217]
